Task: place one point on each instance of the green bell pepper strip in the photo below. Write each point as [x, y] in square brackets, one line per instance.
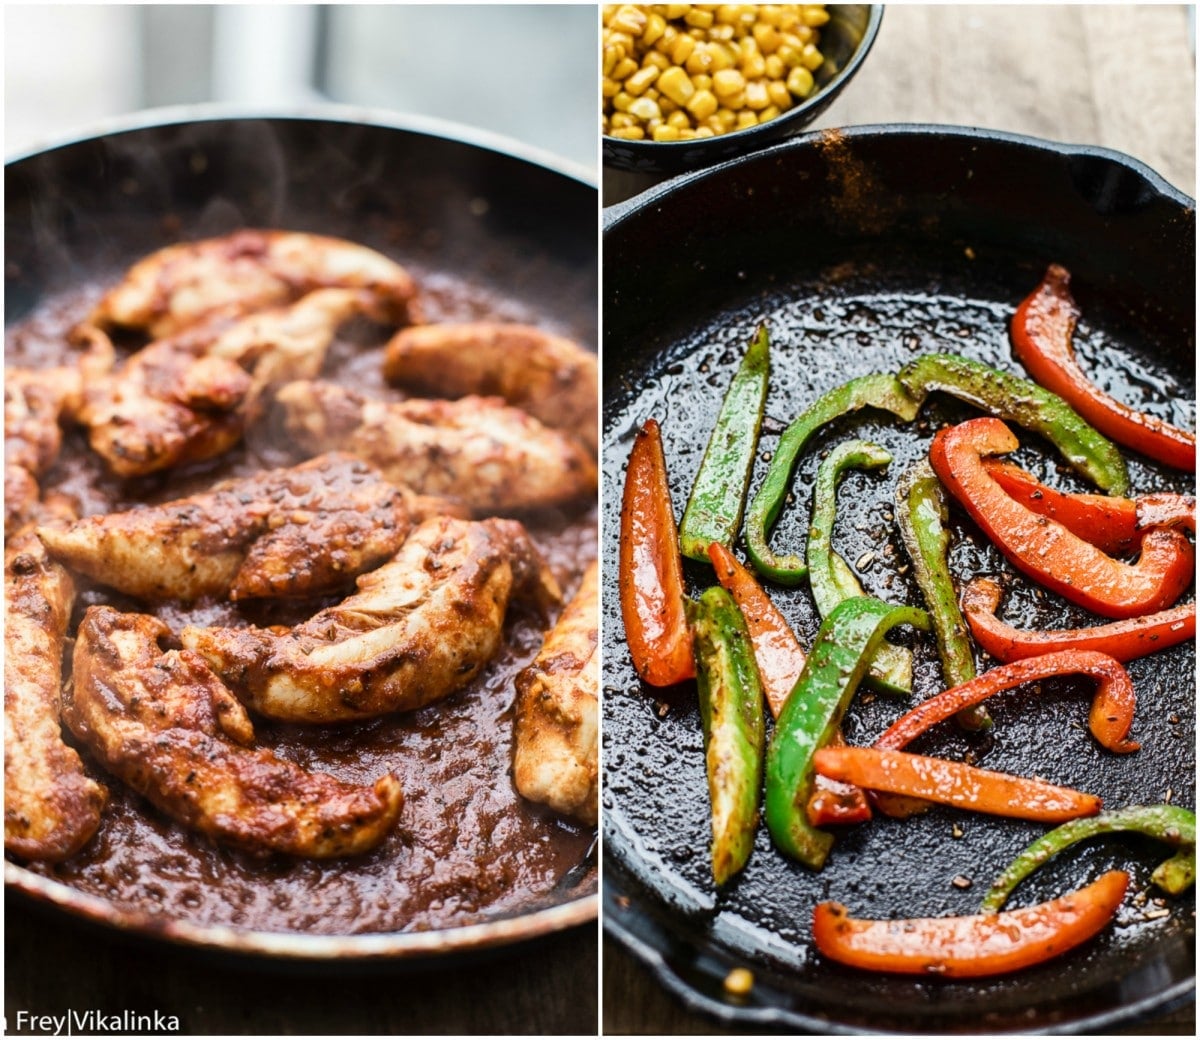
[835, 666]
[1018, 400]
[714, 509]
[831, 578]
[731, 712]
[922, 510]
[873, 391]
[1166, 823]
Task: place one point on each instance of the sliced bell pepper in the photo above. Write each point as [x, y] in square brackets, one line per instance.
[921, 514]
[777, 651]
[714, 508]
[1043, 548]
[650, 572]
[873, 391]
[831, 578]
[1018, 400]
[1110, 719]
[731, 712]
[954, 783]
[835, 666]
[970, 947]
[1115, 525]
[1042, 332]
[1166, 823]
[780, 661]
[1124, 640]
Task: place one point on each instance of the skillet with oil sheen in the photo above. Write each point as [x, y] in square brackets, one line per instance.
[863, 249]
[487, 234]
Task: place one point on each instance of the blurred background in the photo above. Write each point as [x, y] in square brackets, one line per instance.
[67, 66]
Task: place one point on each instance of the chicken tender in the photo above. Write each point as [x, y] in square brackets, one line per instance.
[299, 531]
[419, 628]
[493, 458]
[51, 807]
[191, 396]
[551, 378]
[555, 761]
[168, 727]
[247, 271]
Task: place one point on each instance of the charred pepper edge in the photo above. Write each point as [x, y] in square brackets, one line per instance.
[714, 508]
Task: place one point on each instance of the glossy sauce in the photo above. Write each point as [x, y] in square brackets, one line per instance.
[467, 848]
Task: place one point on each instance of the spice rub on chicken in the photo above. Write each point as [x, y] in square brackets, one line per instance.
[246, 271]
[168, 727]
[190, 396]
[51, 807]
[556, 724]
[493, 458]
[550, 377]
[297, 531]
[419, 628]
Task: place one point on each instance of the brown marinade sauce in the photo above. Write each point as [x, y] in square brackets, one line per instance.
[467, 847]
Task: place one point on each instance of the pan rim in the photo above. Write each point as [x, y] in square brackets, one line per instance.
[325, 111]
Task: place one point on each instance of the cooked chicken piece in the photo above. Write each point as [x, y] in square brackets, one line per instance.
[299, 531]
[168, 727]
[419, 628]
[51, 807]
[493, 458]
[551, 378]
[556, 728]
[34, 400]
[191, 396]
[247, 271]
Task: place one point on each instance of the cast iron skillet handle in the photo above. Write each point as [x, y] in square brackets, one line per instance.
[1113, 183]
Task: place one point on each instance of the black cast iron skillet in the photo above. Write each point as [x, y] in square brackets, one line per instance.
[439, 197]
[862, 249]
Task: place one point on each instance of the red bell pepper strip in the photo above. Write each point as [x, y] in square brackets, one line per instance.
[1042, 330]
[1124, 640]
[780, 661]
[954, 783]
[974, 946]
[1113, 524]
[1043, 548]
[1112, 707]
[777, 651]
[650, 570]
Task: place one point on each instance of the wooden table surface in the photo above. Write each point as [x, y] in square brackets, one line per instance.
[1119, 76]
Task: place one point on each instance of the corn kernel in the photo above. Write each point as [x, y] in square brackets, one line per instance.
[630, 19]
[641, 80]
[675, 11]
[727, 118]
[702, 82]
[704, 131]
[800, 81]
[757, 97]
[754, 66]
[772, 111]
[745, 120]
[609, 88]
[778, 92]
[659, 61]
[767, 38]
[676, 85]
[682, 50]
[645, 110]
[702, 105]
[625, 68]
[775, 67]
[621, 119]
[629, 133]
[700, 61]
[815, 16]
[656, 25]
[727, 82]
[679, 118]
[698, 19]
[666, 132]
[811, 58]
[622, 101]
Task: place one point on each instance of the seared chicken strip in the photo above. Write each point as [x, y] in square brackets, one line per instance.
[493, 458]
[168, 727]
[419, 628]
[299, 531]
[556, 728]
[191, 396]
[51, 807]
[248, 271]
[34, 400]
[551, 378]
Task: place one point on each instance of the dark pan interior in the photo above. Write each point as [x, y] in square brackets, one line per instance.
[484, 232]
[862, 249]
